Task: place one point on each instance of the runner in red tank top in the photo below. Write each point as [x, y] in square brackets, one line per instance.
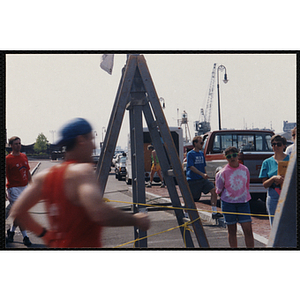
[73, 197]
[70, 223]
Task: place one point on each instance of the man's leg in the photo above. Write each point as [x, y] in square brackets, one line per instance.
[161, 178]
[151, 177]
[213, 198]
[195, 189]
[13, 195]
[159, 175]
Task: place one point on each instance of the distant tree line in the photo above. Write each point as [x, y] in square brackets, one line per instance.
[40, 147]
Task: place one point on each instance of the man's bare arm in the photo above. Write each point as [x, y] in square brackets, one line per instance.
[195, 170]
[83, 188]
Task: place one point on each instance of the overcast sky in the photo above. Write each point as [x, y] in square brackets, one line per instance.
[43, 91]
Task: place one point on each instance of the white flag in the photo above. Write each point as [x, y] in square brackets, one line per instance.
[107, 63]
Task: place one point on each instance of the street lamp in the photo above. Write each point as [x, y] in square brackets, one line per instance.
[225, 80]
[162, 100]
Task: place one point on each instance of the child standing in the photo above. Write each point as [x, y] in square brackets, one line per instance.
[232, 184]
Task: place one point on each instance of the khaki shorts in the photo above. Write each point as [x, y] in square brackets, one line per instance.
[156, 167]
[14, 193]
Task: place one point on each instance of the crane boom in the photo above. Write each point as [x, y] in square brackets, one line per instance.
[210, 95]
[203, 127]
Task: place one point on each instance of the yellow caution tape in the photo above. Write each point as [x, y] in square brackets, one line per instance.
[185, 225]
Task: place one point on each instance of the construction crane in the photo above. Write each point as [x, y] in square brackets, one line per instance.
[184, 121]
[204, 126]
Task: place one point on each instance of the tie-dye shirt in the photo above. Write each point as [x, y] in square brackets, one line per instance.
[233, 183]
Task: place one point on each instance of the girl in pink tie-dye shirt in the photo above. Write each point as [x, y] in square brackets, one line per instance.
[232, 184]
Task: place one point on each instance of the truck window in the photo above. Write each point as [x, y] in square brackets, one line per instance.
[259, 142]
[217, 144]
[226, 141]
[246, 143]
[263, 142]
[268, 142]
[221, 142]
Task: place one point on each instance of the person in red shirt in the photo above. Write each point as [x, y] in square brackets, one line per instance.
[76, 209]
[18, 176]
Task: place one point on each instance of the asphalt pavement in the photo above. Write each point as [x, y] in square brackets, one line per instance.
[163, 234]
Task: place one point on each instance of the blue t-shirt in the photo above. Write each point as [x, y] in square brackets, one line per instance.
[197, 160]
[269, 167]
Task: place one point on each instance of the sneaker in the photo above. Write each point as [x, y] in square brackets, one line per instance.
[26, 241]
[149, 185]
[162, 185]
[186, 220]
[10, 236]
[217, 216]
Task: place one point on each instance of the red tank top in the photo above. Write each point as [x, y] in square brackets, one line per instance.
[72, 226]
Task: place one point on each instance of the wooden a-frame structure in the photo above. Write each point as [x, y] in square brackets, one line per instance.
[137, 94]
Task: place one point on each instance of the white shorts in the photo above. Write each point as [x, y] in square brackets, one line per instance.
[14, 193]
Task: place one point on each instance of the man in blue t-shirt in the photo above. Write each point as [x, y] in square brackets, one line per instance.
[197, 178]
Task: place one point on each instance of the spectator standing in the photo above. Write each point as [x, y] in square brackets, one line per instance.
[232, 184]
[269, 174]
[18, 176]
[197, 178]
[290, 149]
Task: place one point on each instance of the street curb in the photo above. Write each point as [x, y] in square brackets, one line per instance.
[36, 167]
[259, 238]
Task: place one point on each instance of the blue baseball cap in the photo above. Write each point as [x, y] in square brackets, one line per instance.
[72, 129]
